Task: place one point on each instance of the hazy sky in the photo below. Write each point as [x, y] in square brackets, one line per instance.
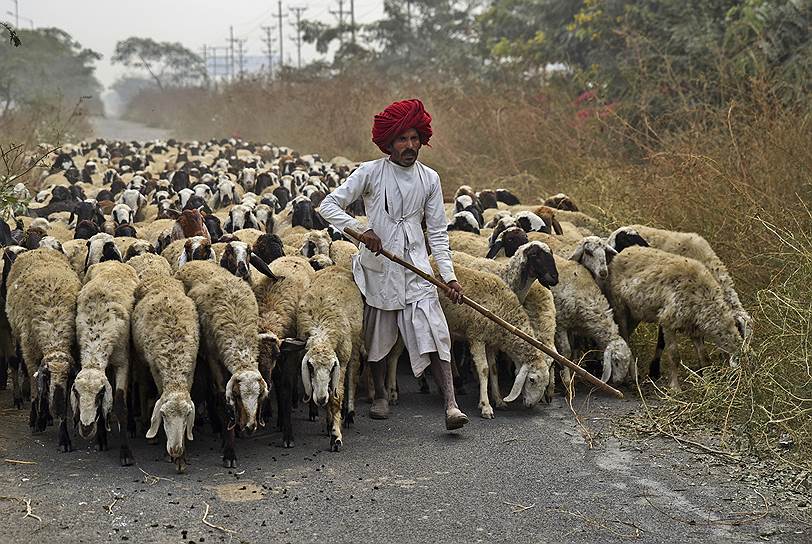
[99, 24]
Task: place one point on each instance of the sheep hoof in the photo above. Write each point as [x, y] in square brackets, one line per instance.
[180, 465]
[349, 419]
[287, 443]
[18, 403]
[393, 397]
[64, 438]
[229, 458]
[487, 412]
[335, 444]
[125, 456]
[500, 404]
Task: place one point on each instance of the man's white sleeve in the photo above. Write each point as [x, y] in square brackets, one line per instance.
[333, 205]
[437, 230]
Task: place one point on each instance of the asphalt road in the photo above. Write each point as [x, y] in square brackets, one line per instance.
[118, 129]
[526, 476]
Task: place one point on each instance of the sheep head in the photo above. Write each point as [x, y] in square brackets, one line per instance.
[321, 372]
[196, 248]
[617, 361]
[190, 223]
[91, 397]
[561, 201]
[594, 255]
[464, 221]
[238, 258]
[177, 411]
[245, 392]
[538, 262]
[101, 248]
[532, 382]
[316, 243]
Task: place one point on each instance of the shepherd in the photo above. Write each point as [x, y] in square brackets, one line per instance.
[399, 193]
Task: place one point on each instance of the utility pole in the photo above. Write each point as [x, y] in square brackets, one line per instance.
[206, 63]
[16, 14]
[340, 14]
[231, 49]
[269, 47]
[279, 17]
[352, 20]
[241, 56]
[298, 38]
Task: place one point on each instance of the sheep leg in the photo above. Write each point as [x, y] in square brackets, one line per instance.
[353, 371]
[16, 391]
[334, 414]
[702, 355]
[478, 354]
[101, 431]
[122, 413]
[38, 418]
[654, 365]
[493, 381]
[669, 353]
[3, 372]
[284, 382]
[562, 346]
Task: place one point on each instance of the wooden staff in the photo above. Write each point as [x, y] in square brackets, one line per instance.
[586, 376]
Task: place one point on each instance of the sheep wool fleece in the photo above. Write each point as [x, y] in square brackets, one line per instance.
[397, 199]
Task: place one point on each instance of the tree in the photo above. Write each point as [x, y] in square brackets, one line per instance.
[50, 67]
[168, 63]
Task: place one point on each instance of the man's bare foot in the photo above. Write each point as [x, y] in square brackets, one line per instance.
[455, 419]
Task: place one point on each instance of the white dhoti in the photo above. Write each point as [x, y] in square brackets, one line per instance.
[422, 326]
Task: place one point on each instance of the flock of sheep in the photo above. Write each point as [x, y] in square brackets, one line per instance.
[148, 281]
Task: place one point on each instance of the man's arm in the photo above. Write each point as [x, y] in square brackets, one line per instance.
[437, 234]
[333, 205]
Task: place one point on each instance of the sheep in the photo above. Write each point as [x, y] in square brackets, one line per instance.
[278, 302]
[136, 202]
[103, 312]
[316, 242]
[228, 316]
[679, 293]
[485, 338]
[579, 219]
[240, 217]
[122, 214]
[686, 244]
[561, 201]
[41, 290]
[532, 261]
[180, 252]
[320, 262]
[464, 221]
[509, 240]
[166, 335]
[469, 203]
[237, 258]
[189, 224]
[330, 320]
[341, 253]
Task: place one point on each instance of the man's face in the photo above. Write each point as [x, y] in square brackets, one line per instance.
[405, 147]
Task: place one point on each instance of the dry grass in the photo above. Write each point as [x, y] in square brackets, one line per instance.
[740, 176]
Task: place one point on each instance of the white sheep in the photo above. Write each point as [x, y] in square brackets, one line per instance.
[103, 312]
[165, 333]
[485, 338]
[678, 293]
[41, 290]
[228, 315]
[330, 320]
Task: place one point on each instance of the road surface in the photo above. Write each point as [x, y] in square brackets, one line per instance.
[118, 129]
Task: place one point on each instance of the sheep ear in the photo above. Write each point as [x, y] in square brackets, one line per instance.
[557, 227]
[577, 254]
[495, 248]
[155, 422]
[190, 423]
[518, 385]
[335, 376]
[607, 366]
[308, 387]
[261, 266]
[229, 391]
[74, 400]
[108, 403]
[182, 258]
[292, 344]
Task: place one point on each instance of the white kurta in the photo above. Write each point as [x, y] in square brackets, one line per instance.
[397, 199]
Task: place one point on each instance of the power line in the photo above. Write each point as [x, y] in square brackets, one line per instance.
[298, 38]
[241, 57]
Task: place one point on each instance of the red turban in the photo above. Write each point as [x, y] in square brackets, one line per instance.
[399, 117]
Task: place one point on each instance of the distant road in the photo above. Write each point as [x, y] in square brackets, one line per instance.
[118, 129]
